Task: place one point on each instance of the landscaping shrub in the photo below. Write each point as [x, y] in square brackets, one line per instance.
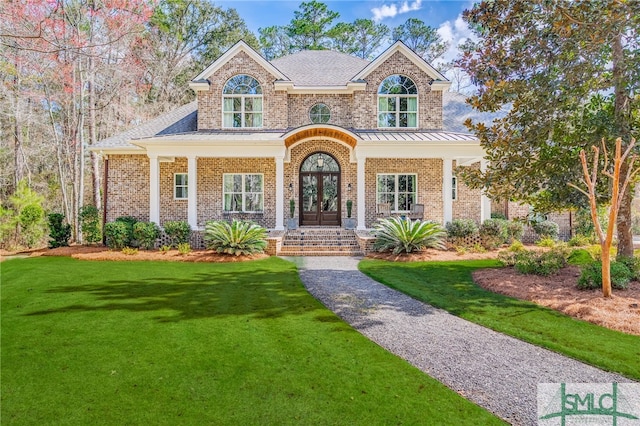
[531, 262]
[516, 246]
[591, 276]
[129, 221]
[546, 228]
[493, 233]
[178, 232]
[90, 224]
[579, 257]
[184, 248]
[498, 216]
[633, 264]
[579, 240]
[146, 234]
[546, 242]
[515, 231]
[404, 235]
[461, 228]
[59, 231]
[239, 237]
[117, 235]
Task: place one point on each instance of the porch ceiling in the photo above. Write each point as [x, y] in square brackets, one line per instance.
[320, 132]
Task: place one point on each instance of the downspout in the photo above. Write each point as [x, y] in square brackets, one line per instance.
[105, 187]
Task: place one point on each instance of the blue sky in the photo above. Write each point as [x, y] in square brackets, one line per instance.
[441, 14]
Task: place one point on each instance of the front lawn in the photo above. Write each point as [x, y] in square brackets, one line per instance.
[448, 285]
[192, 343]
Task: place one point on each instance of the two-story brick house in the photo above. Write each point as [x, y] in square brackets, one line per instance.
[318, 127]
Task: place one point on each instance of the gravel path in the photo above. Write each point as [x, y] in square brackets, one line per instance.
[495, 371]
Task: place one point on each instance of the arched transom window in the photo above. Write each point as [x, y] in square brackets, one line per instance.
[320, 162]
[319, 113]
[242, 102]
[397, 102]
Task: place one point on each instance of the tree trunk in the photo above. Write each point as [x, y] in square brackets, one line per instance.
[622, 117]
[606, 270]
[95, 163]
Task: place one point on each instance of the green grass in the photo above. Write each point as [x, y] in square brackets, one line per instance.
[153, 343]
[448, 285]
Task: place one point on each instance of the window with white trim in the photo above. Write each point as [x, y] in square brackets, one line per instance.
[242, 102]
[399, 190]
[397, 102]
[180, 186]
[319, 113]
[243, 192]
[454, 188]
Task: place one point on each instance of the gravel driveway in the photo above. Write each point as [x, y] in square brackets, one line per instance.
[495, 371]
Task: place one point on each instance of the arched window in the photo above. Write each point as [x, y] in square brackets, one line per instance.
[398, 102]
[320, 162]
[319, 113]
[242, 102]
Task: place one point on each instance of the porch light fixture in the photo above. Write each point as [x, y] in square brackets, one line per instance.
[290, 187]
[348, 187]
[320, 161]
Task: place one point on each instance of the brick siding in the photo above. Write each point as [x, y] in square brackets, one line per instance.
[128, 187]
[467, 204]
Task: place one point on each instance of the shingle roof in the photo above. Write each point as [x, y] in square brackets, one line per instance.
[455, 111]
[320, 67]
[180, 120]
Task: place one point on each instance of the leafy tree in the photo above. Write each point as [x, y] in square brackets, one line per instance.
[23, 222]
[274, 42]
[421, 38]
[342, 37]
[368, 37]
[309, 27]
[550, 63]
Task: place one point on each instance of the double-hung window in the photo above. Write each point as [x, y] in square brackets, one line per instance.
[242, 102]
[397, 102]
[180, 186]
[398, 190]
[243, 192]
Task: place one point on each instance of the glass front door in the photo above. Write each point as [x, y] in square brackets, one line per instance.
[320, 191]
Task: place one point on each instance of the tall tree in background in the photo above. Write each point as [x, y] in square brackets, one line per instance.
[548, 61]
[185, 37]
[368, 37]
[421, 38]
[310, 24]
[342, 38]
[274, 42]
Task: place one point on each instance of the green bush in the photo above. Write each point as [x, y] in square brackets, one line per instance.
[579, 257]
[461, 228]
[515, 231]
[239, 237]
[117, 235]
[404, 235]
[579, 240]
[591, 276]
[129, 221]
[531, 262]
[494, 233]
[633, 264]
[31, 219]
[498, 216]
[90, 224]
[59, 231]
[546, 242]
[146, 234]
[546, 228]
[178, 232]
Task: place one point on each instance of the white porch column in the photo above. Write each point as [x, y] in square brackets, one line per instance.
[279, 193]
[192, 191]
[361, 194]
[447, 190]
[154, 189]
[485, 202]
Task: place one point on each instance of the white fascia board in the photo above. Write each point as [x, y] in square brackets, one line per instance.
[228, 149]
[105, 150]
[199, 86]
[292, 89]
[240, 46]
[399, 46]
[418, 150]
[441, 85]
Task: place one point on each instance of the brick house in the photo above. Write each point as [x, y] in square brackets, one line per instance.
[316, 127]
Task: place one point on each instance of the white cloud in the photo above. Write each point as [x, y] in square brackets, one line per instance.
[389, 11]
[454, 34]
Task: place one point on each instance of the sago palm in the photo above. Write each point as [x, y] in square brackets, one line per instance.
[239, 237]
[404, 235]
